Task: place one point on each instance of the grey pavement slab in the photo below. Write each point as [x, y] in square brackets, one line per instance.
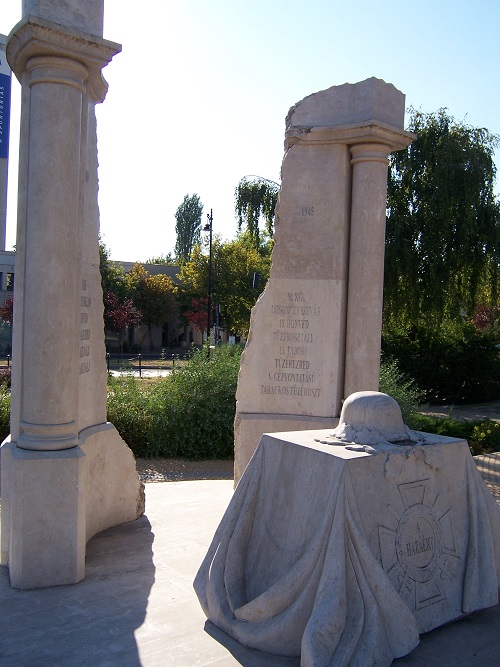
[136, 606]
[490, 410]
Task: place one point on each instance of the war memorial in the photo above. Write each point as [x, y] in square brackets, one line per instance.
[346, 538]
[348, 535]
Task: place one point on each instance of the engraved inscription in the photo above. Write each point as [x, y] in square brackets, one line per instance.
[85, 332]
[292, 338]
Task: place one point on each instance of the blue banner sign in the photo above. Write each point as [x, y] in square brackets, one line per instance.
[4, 105]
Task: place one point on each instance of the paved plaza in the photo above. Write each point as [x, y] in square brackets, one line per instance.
[136, 606]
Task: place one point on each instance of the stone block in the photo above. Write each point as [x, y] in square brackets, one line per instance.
[315, 331]
[43, 524]
[114, 493]
[84, 16]
[372, 100]
[341, 556]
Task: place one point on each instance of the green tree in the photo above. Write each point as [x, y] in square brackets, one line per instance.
[166, 260]
[112, 274]
[119, 315]
[233, 286]
[153, 296]
[256, 198]
[442, 244]
[187, 227]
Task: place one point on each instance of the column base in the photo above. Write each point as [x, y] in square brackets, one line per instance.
[54, 502]
[43, 516]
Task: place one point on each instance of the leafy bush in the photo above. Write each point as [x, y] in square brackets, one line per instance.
[453, 362]
[4, 411]
[5, 374]
[127, 407]
[482, 436]
[453, 428]
[485, 437]
[401, 387]
[190, 413]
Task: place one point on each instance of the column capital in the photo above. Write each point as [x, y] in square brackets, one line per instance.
[371, 131]
[35, 38]
[370, 152]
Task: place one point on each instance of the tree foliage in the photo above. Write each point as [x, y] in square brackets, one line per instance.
[133, 297]
[233, 264]
[197, 316]
[442, 244]
[154, 296]
[119, 315]
[187, 226]
[255, 198]
[166, 260]
[7, 310]
[112, 274]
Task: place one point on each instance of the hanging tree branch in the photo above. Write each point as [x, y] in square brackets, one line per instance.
[256, 197]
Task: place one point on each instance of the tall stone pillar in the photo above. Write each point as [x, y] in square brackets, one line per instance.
[66, 473]
[366, 265]
[49, 405]
[315, 331]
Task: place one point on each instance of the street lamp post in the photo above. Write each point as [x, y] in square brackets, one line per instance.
[208, 228]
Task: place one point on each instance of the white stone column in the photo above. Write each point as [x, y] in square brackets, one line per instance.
[49, 404]
[66, 474]
[366, 266]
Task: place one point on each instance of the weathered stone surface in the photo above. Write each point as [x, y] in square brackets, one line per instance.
[66, 473]
[86, 16]
[43, 516]
[369, 100]
[344, 557]
[315, 331]
[372, 418]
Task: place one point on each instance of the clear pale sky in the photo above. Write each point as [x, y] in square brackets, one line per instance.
[198, 97]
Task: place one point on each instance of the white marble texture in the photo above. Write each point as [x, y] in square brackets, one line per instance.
[66, 473]
[315, 331]
[342, 557]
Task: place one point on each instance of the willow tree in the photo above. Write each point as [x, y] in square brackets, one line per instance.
[442, 243]
[255, 198]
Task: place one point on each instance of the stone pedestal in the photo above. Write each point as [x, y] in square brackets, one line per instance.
[87, 479]
[43, 507]
[315, 331]
[343, 557]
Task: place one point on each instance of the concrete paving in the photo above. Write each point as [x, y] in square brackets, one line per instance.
[489, 410]
[136, 606]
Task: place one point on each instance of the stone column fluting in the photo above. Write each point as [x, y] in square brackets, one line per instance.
[366, 266]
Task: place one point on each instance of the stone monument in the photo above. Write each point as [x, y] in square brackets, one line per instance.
[315, 331]
[66, 473]
[342, 547]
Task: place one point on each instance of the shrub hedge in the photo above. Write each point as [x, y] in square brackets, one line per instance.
[191, 412]
[454, 362]
[188, 414]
